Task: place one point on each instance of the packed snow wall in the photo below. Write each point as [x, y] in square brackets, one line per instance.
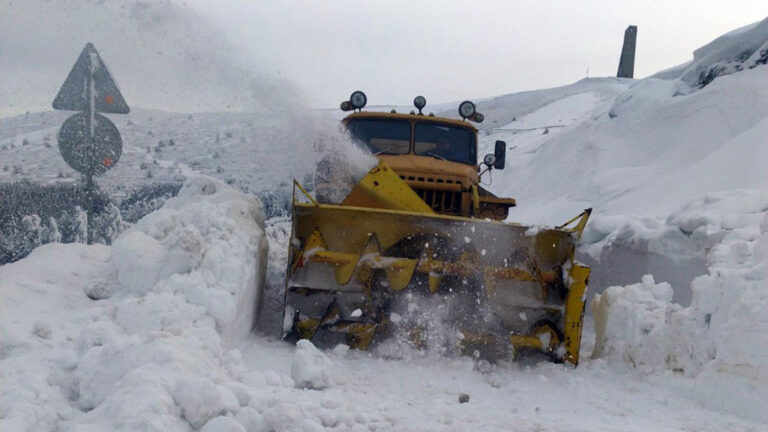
[721, 339]
[137, 336]
[208, 244]
[674, 167]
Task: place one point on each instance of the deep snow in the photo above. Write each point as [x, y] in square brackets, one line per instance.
[152, 350]
[676, 174]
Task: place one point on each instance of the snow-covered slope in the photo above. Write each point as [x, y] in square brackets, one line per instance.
[675, 167]
[166, 147]
[647, 141]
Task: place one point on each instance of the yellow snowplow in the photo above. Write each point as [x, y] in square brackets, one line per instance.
[419, 250]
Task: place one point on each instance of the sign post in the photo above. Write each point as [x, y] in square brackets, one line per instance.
[89, 142]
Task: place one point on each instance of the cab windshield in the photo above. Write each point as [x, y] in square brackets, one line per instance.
[382, 136]
[393, 137]
[445, 142]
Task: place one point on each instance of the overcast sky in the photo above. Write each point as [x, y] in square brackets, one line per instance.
[450, 50]
[213, 55]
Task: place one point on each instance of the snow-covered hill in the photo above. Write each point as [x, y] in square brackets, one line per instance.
[152, 333]
[166, 147]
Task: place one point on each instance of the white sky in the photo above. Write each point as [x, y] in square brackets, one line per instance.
[213, 55]
[451, 50]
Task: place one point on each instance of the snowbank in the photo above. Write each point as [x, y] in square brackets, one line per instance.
[674, 166]
[208, 244]
[721, 339]
[180, 290]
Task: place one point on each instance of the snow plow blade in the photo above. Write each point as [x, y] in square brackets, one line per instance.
[373, 265]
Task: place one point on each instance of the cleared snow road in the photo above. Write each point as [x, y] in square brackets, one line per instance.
[420, 392]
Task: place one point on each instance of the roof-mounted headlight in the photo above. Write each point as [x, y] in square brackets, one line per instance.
[358, 100]
[466, 109]
[419, 102]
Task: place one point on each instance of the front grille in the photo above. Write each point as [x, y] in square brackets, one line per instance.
[441, 201]
[429, 179]
[444, 202]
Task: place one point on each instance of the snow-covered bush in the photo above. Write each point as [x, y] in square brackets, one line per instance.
[34, 214]
[147, 199]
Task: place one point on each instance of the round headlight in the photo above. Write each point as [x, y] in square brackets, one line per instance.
[419, 102]
[358, 99]
[479, 118]
[466, 109]
[490, 159]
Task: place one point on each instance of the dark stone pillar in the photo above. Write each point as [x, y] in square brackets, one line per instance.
[627, 62]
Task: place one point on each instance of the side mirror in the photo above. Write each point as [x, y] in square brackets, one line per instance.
[500, 153]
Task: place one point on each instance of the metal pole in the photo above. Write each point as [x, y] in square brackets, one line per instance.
[89, 97]
[89, 205]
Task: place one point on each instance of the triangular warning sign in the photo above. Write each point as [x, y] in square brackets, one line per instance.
[74, 93]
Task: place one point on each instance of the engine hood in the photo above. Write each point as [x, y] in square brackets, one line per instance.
[422, 166]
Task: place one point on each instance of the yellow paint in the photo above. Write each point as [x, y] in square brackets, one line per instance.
[360, 334]
[579, 227]
[304, 191]
[574, 312]
[525, 341]
[400, 273]
[382, 209]
[382, 188]
[534, 340]
[307, 327]
[434, 282]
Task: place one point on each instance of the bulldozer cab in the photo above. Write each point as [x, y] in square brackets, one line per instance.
[436, 156]
[415, 135]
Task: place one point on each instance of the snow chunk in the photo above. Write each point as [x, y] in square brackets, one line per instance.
[138, 259]
[532, 231]
[42, 329]
[286, 416]
[630, 323]
[628, 318]
[199, 400]
[99, 289]
[310, 367]
[156, 312]
[251, 419]
[222, 424]
[340, 350]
